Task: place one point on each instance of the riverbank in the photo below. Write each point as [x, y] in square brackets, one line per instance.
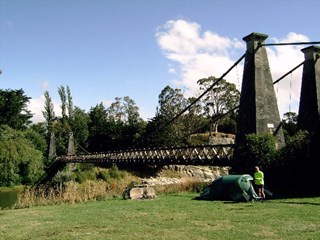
[170, 179]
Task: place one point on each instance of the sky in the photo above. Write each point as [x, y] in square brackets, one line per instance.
[103, 49]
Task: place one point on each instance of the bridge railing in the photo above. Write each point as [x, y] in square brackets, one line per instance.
[219, 155]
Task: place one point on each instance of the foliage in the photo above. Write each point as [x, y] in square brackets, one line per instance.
[162, 130]
[84, 172]
[198, 139]
[116, 127]
[79, 125]
[171, 102]
[296, 151]
[289, 125]
[258, 149]
[97, 125]
[20, 161]
[222, 97]
[228, 124]
[123, 110]
[48, 113]
[115, 173]
[38, 140]
[73, 120]
[13, 109]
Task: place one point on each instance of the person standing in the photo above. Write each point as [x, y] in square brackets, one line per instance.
[259, 182]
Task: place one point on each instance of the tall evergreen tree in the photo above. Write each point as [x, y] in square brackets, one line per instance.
[13, 109]
[48, 113]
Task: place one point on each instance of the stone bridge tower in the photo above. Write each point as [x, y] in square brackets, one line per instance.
[258, 112]
[309, 108]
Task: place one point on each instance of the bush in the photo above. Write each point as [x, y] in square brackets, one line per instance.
[115, 173]
[186, 186]
[258, 149]
[103, 174]
[296, 149]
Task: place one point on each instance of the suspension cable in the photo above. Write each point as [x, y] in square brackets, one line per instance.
[86, 151]
[204, 93]
[214, 119]
[286, 44]
[292, 70]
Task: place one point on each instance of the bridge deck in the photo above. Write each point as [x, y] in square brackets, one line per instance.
[217, 155]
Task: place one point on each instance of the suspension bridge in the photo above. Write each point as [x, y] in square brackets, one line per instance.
[257, 113]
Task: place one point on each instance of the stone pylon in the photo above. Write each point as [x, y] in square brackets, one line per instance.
[258, 111]
[52, 148]
[71, 149]
[309, 108]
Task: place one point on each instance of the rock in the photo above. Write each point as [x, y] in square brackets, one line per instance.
[136, 191]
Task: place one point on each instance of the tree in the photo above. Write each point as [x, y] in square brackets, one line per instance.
[70, 102]
[79, 126]
[163, 129]
[289, 125]
[63, 98]
[20, 161]
[97, 128]
[73, 120]
[223, 97]
[171, 102]
[115, 110]
[117, 127]
[193, 120]
[123, 110]
[258, 149]
[13, 109]
[48, 113]
[131, 111]
[123, 123]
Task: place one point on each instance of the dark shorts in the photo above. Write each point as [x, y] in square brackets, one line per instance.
[259, 186]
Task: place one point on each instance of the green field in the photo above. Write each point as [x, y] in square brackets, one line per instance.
[167, 217]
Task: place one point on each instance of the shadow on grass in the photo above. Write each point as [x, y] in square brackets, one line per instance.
[300, 203]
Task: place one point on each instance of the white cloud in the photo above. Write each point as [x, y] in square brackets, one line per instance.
[36, 106]
[172, 70]
[199, 55]
[202, 54]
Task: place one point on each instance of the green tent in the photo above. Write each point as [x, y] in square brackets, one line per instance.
[230, 187]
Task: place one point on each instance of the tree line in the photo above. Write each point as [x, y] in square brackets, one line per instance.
[24, 145]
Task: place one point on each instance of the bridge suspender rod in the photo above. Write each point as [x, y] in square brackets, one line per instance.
[292, 70]
[286, 44]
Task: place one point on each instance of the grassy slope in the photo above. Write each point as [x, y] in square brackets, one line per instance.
[167, 217]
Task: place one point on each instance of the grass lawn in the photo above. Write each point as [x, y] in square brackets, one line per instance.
[167, 217]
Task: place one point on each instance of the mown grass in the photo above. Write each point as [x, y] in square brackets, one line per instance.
[171, 216]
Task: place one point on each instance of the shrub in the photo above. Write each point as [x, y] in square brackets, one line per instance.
[296, 150]
[103, 174]
[258, 149]
[115, 173]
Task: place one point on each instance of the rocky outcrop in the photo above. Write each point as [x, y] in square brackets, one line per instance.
[200, 172]
[187, 172]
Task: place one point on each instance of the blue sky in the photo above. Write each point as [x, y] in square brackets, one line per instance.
[104, 49]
